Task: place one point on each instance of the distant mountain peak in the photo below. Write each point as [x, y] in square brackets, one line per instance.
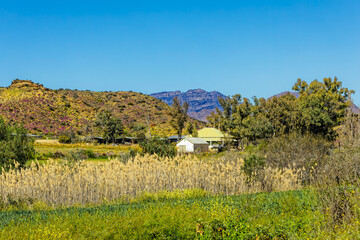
[198, 90]
[201, 102]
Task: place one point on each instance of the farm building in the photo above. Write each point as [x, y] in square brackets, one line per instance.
[175, 138]
[213, 136]
[192, 144]
[121, 140]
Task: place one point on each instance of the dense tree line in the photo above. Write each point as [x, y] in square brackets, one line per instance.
[318, 109]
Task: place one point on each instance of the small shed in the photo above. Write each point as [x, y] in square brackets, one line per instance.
[192, 144]
[34, 136]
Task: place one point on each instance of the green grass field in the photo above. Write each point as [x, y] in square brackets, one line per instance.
[281, 215]
[51, 149]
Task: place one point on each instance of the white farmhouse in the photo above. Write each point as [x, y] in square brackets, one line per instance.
[192, 144]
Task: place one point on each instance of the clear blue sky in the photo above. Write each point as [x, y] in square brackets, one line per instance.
[249, 47]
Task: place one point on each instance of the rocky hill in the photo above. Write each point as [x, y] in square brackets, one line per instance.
[201, 102]
[46, 111]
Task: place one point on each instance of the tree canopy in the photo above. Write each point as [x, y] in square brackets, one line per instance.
[322, 105]
[178, 115]
[110, 126]
[318, 109]
[191, 129]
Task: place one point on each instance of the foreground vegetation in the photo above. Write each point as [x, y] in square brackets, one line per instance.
[149, 197]
[60, 184]
[184, 215]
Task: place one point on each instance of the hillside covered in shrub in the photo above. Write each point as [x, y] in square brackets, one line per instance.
[46, 111]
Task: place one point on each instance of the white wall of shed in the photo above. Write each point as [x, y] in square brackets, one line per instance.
[189, 146]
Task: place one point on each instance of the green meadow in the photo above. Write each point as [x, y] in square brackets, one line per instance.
[277, 215]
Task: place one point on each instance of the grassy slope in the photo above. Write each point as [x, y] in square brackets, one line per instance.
[44, 111]
[285, 215]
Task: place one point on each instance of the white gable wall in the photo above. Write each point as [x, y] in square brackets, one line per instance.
[189, 146]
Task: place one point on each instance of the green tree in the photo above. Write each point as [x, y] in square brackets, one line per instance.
[139, 131]
[178, 115]
[191, 129]
[319, 110]
[323, 105]
[232, 114]
[158, 147]
[214, 118]
[256, 127]
[284, 114]
[15, 146]
[244, 120]
[109, 125]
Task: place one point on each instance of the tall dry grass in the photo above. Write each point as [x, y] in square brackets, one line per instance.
[87, 182]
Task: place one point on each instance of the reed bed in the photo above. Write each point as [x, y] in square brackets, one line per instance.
[60, 184]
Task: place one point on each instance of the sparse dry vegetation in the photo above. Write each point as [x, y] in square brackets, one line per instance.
[92, 183]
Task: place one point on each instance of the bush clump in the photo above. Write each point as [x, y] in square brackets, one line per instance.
[253, 167]
[15, 146]
[64, 139]
[158, 147]
[303, 152]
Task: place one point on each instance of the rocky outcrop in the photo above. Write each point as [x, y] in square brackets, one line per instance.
[26, 85]
[201, 103]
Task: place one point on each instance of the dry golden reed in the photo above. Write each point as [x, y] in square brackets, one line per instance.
[92, 183]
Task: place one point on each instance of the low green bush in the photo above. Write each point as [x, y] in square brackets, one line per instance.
[64, 139]
[158, 147]
[15, 146]
[80, 154]
[253, 167]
